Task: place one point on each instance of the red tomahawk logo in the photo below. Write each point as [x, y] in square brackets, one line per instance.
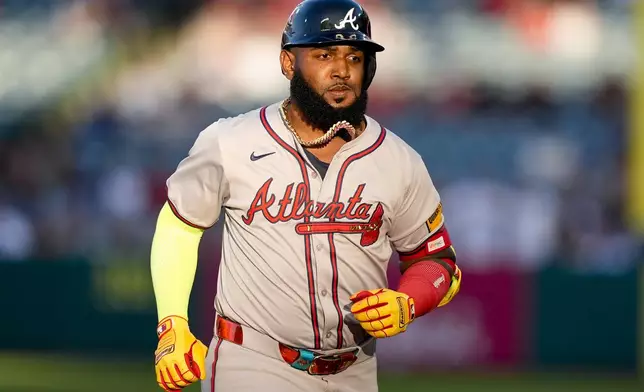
[370, 230]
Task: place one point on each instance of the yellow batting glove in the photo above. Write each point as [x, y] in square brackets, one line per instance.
[383, 312]
[454, 288]
[180, 357]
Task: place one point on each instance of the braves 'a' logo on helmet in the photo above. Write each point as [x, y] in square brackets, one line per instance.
[348, 18]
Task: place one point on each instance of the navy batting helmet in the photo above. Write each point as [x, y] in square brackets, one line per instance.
[332, 22]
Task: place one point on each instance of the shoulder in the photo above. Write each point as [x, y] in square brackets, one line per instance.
[243, 122]
[227, 130]
[397, 149]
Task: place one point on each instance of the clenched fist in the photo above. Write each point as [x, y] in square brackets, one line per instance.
[383, 312]
[180, 357]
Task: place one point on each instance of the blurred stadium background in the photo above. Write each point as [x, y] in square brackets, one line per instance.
[529, 114]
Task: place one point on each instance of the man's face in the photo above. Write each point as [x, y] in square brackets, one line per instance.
[326, 84]
[334, 72]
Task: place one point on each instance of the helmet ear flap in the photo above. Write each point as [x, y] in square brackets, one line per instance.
[370, 70]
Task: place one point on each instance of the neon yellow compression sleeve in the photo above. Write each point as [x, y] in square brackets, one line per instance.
[173, 263]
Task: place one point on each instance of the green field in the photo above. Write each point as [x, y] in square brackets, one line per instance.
[36, 373]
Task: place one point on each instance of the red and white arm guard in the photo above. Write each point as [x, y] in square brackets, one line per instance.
[428, 271]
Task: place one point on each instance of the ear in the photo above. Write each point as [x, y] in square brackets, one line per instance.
[287, 63]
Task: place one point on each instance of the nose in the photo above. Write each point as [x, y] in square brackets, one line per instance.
[341, 69]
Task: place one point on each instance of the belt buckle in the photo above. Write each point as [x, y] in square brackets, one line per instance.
[323, 365]
[297, 358]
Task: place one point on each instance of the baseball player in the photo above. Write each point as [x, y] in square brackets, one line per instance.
[316, 197]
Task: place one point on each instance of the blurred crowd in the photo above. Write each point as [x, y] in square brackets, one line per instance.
[519, 108]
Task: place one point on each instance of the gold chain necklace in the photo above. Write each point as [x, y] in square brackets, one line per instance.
[322, 140]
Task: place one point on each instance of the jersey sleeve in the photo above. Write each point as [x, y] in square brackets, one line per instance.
[198, 188]
[419, 215]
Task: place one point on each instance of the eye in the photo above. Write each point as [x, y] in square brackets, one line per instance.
[355, 59]
[324, 56]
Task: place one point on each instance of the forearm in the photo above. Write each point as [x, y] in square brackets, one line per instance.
[173, 263]
[426, 282]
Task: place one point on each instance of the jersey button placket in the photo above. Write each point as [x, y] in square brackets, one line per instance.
[324, 268]
[324, 281]
[315, 184]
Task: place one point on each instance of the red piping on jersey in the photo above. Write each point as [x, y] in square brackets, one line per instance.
[181, 218]
[214, 365]
[307, 238]
[336, 198]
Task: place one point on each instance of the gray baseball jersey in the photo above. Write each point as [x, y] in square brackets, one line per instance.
[297, 245]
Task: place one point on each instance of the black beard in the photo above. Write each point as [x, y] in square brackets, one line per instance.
[317, 113]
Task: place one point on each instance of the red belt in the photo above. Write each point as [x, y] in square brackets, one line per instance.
[301, 359]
